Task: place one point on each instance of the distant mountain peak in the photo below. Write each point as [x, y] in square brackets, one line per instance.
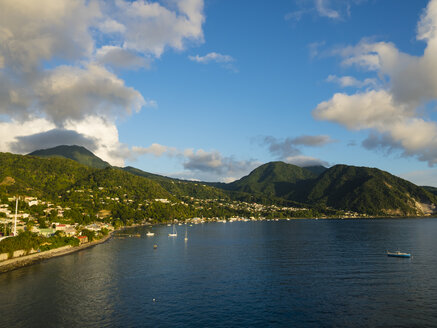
[76, 153]
[273, 179]
[316, 169]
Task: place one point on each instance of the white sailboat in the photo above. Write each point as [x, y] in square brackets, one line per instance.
[174, 234]
[186, 234]
[150, 234]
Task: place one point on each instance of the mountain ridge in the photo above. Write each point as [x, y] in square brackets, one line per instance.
[343, 187]
[76, 153]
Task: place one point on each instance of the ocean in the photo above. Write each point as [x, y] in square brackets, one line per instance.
[298, 273]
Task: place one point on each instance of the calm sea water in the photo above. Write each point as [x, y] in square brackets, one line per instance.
[302, 273]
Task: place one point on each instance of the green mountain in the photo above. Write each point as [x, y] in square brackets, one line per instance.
[317, 169]
[181, 188]
[176, 187]
[367, 190]
[53, 177]
[116, 195]
[275, 179]
[76, 153]
[432, 190]
[349, 188]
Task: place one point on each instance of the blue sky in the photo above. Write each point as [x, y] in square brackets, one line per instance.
[211, 89]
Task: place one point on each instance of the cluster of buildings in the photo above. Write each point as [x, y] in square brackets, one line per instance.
[19, 220]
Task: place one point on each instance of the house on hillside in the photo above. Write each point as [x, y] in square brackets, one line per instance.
[70, 231]
[82, 239]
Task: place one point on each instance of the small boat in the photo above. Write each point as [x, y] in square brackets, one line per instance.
[398, 254]
[155, 246]
[150, 234]
[174, 233]
[186, 235]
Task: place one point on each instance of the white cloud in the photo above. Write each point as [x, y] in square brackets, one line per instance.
[198, 164]
[201, 160]
[372, 109]
[51, 138]
[73, 93]
[96, 133]
[314, 48]
[289, 149]
[350, 81]
[120, 57]
[151, 27]
[14, 128]
[426, 28]
[105, 134]
[296, 15]
[56, 59]
[396, 112]
[111, 26]
[156, 150]
[332, 9]
[324, 11]
[32, 31]
[312, 141]
[304, 161]
[213, 166]
[212, 57]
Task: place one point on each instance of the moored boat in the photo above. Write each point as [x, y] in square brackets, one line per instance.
[398, 254]
[174, 233]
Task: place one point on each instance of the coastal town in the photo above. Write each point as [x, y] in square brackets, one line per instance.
[63, 226]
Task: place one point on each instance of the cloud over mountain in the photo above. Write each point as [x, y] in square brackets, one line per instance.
[396, 113]
[51, 138]
[289, 149]
[57, 59]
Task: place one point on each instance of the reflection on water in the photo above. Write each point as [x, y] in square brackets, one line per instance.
[290, 273]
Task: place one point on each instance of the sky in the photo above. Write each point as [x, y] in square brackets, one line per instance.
[210, 89]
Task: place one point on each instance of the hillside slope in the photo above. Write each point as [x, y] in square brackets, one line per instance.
[76, 153]
[181, 188]
[272, 179]
[53, 177]
[368, 190]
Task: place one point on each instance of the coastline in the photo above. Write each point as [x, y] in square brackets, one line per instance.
[27, 260]
[22, 261]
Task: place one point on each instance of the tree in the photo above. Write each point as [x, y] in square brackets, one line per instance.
[89, 233]
[42, 223]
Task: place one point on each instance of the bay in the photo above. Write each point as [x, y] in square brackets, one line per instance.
[300, 273]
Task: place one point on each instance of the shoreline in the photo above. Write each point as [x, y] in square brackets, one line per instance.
[27, 260]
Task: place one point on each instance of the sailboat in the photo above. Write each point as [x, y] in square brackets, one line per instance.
[150, 234]
[174, 234]
[398, 254]
[186, 234]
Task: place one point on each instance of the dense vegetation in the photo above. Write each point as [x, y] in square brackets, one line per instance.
[367, 190]
[28, 241]
[272, 179]
[76, 153]
[131, 194]
[350, 188]
[181, 188]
